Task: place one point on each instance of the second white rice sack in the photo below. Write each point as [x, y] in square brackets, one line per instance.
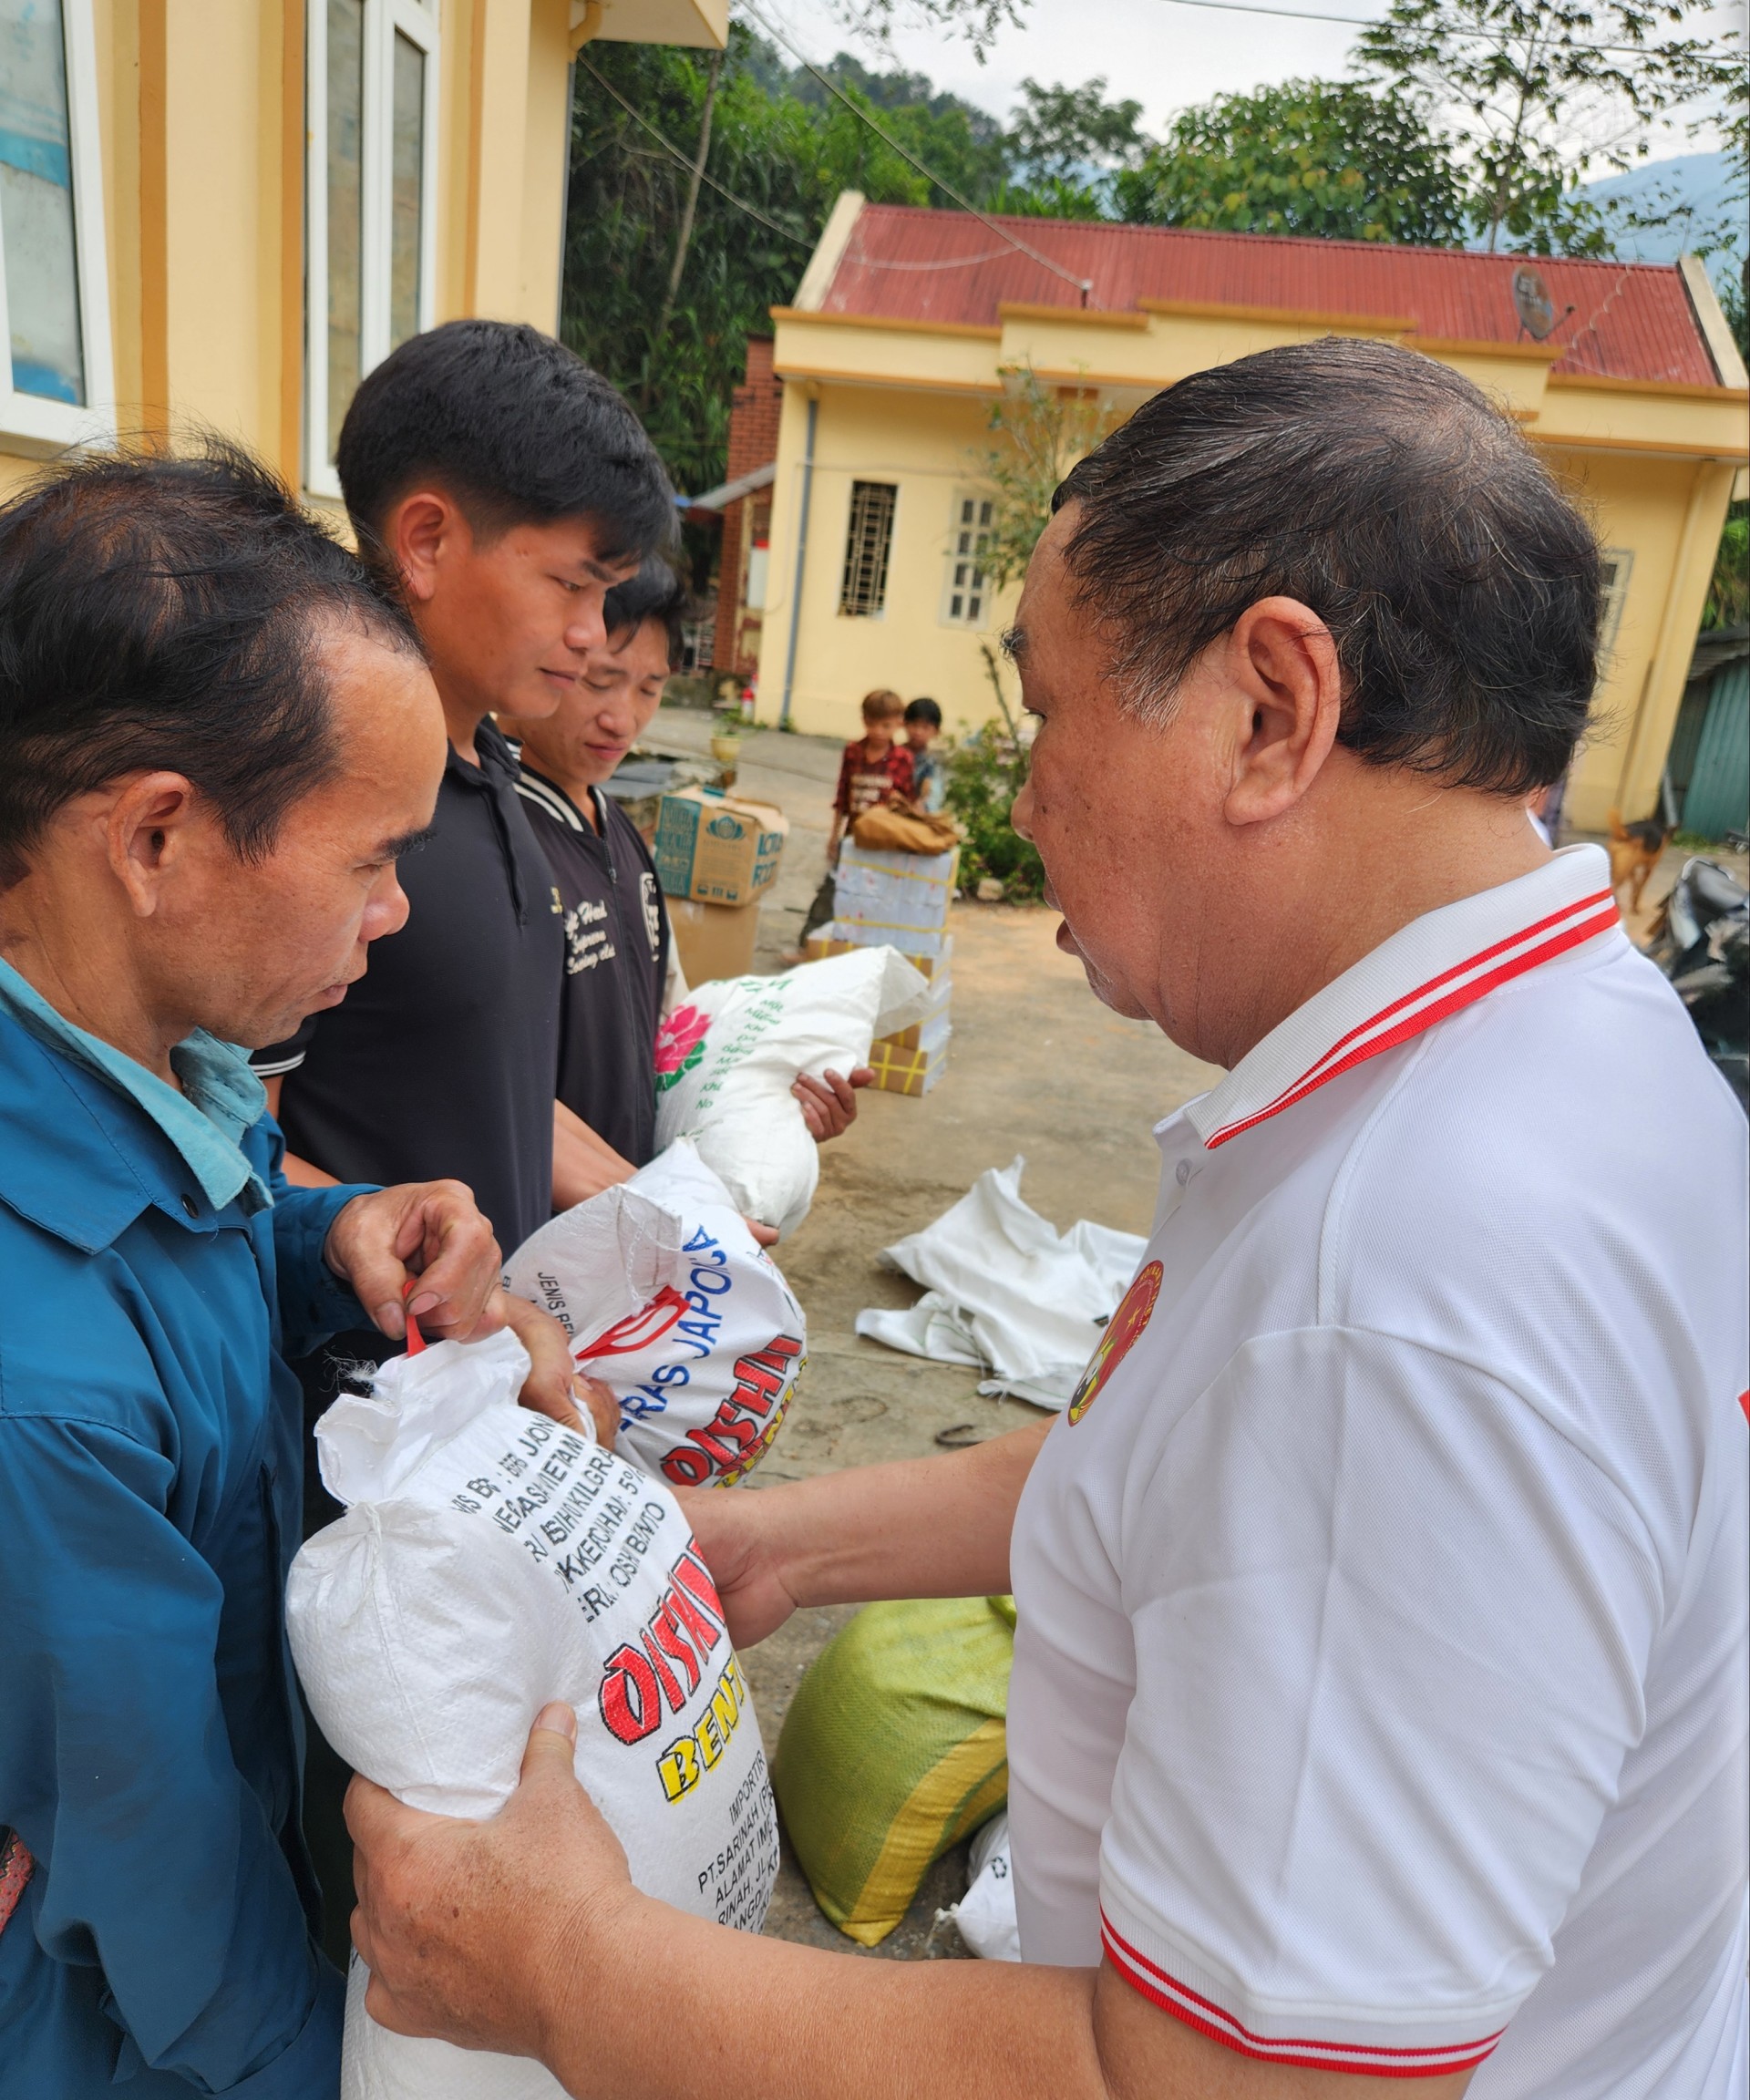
[726, 1061]
[671, 1301]
[491, 1561]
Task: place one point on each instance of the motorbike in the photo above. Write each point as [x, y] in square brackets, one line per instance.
[1701, 939]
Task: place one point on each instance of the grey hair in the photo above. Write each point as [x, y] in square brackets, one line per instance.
[1388, 495]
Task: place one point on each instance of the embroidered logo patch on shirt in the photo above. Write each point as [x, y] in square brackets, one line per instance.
[1123, 1331]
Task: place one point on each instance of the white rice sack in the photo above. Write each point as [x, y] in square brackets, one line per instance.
[985, 1914]
[671, 1301]
[488, 1561]
[726, 1063]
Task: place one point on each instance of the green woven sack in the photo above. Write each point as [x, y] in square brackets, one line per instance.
[895, 1747]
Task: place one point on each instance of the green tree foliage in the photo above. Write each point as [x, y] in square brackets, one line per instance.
[1728, 595]
[986, 771]
[779, 145]
[1315, 157]
[1040, 432]
[1534, 88]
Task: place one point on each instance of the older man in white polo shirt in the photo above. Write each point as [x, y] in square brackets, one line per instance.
[1379, 1697]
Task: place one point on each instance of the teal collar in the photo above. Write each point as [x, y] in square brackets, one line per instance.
[220, 1097]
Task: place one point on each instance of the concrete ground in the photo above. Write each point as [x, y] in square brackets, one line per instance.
[1036, 1065]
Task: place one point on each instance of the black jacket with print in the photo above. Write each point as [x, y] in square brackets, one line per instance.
[616, 961]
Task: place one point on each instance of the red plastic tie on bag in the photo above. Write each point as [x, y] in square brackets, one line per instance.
[638, 1330]
[416, 1339]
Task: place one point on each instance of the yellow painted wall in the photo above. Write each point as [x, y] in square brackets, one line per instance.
[1654, 466]
[200, 106]
[922, 442]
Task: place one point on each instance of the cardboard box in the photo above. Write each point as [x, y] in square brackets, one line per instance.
[715, 849]
[714, 939]
[832, 940]
[894, 894]
[913, 1071]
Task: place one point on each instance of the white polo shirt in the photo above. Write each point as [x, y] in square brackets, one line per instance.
[1380, 1687]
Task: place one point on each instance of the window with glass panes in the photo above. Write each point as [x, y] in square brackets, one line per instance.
[1614, 567]
[869, 542]
[55, 384]
[370, 188]
[965, 587]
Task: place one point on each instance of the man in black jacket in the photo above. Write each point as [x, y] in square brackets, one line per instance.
[619, 970]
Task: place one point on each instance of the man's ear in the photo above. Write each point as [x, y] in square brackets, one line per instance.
[1287, 686]
[420, 532]
[146, 832]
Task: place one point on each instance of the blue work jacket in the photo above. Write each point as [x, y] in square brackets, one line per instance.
[151, 1738]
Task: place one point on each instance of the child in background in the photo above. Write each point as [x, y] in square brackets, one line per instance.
[929, 780]
[876, 767]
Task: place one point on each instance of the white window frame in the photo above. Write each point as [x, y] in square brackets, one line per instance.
[946, 615]
[383, 18]
[1616, 595]
[30, 424]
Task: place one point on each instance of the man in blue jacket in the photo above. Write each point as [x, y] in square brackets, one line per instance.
[216, 736]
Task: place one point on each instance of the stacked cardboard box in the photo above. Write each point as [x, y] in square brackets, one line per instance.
[900, 901]
[716, 857]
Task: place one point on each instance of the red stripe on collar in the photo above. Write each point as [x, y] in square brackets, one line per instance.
[1568, 928]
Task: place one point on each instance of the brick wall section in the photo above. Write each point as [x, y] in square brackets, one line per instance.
[754, 412]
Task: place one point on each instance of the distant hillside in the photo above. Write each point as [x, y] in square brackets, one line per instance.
[1700, 195]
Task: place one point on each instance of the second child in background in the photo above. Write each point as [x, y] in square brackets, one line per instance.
[929, 779]
[876, 768]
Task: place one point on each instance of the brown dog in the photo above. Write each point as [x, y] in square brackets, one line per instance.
[1635, 853]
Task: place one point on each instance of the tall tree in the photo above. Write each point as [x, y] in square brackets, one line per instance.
[1309, 157]
[1536, 89]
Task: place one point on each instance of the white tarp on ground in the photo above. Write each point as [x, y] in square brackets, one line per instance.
[1006, 1292]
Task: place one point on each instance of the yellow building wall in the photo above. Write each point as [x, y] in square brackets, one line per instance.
[1654, 467]
[924, 443]
[201, 116]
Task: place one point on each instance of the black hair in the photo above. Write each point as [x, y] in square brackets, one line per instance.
[160, 612]
[656, 592]
[512, 424]
[924, 711]
[1388, 494]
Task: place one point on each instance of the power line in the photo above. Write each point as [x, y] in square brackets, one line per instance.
[1085, 285]
[1364, 22]
[675, 154]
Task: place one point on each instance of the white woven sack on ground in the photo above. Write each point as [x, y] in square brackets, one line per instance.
[985, 1914]
[671, 1301]
[491, 1561]
[1003, 1289]
[727, 1062]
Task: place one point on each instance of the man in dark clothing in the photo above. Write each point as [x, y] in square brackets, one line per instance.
[448, 1049]
[620, 973]
[507, 488]
[510, 488]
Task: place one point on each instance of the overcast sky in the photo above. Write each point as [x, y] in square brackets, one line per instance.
[1163, 54]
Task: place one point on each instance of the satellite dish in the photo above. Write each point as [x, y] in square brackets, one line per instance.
[1532, 303]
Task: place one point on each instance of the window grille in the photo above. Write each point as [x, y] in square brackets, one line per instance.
[966, 590]
[868, 544]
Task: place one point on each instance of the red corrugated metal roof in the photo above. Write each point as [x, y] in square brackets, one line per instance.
[1629, 320]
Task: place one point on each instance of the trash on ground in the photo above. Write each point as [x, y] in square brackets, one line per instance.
[1005, 1291]
[671, 1301]
[491, 1561]
[726, 1061]
[894, 1748]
